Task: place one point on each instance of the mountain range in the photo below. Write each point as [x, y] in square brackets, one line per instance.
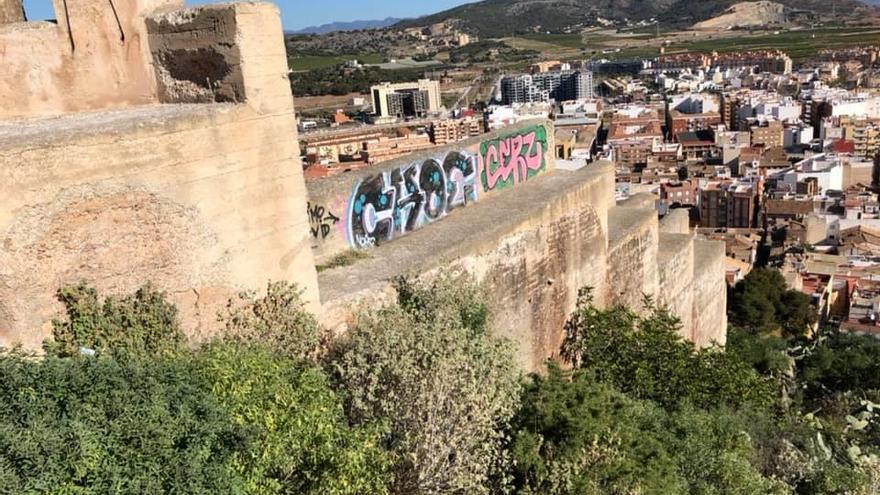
[347, 26]
[500, 18]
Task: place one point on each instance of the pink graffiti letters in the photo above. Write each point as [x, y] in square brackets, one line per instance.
[513, 159]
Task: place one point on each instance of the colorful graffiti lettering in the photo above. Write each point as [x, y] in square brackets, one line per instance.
[514, 159]
[321, 221]
[399, 201]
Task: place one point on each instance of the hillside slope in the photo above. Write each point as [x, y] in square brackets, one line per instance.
[500, 18]
[747, 14]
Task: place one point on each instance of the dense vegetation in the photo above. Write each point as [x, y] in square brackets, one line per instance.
[338, 80]
[420, 399]
[487, 51]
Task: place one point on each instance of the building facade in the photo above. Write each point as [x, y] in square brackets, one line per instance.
[452, 130]
[562, 85]
[415, 99]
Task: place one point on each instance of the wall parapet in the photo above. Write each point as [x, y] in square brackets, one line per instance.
[374, 206]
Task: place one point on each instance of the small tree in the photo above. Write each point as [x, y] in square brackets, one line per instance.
[301, 442]
[446, 389]
[645, 357]
[762, 303]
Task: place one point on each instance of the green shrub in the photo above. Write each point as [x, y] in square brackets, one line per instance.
[98, 426]
[427, 368]
[645, 357]
[277, 319]
[300, 439]
[140, 324]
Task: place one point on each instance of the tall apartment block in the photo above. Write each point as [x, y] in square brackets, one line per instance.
[560, 85]
[414, 99]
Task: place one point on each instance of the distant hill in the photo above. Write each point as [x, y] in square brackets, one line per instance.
[747, 14]
[347, 26]
[500, 18]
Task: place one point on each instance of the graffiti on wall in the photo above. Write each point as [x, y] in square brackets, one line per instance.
[513, 159]
[398, 201]
[385, 206]
[321, 221]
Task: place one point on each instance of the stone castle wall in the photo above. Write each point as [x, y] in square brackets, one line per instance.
[381, 204]
[170, 156]
[203, 200]
[533, 244]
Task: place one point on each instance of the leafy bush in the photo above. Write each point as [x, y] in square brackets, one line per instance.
[300, 439]
[278, 320]
[644, 357]
[427, 368]
[141, 324]
[574, 435]
[842, 363]
[97, 426]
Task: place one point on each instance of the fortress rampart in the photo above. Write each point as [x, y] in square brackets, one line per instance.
[203, 198]
[163, 148]
[534, 241]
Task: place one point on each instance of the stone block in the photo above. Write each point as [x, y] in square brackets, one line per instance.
[675, 264]
[710, 294]
[633, 238]
[11, 11]
[677, 221]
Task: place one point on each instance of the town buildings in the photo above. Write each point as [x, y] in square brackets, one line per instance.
[452, 130]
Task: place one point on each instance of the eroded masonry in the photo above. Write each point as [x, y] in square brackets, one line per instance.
[143, 141]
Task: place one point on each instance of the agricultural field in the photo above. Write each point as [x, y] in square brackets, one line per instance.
[312, 62]
[799, 44]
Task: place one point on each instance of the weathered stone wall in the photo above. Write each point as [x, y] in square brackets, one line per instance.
[533, 248]
[11, 11]
[632, 253]
[677, 221]
[94, 57]
[201, 191]
[201, 200]
[675, 264]
[710, 294]
[383, 203]
[194, 59]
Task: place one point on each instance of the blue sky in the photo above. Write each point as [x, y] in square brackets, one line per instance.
[302, 13]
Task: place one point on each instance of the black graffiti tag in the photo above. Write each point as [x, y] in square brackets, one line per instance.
[321, 221]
